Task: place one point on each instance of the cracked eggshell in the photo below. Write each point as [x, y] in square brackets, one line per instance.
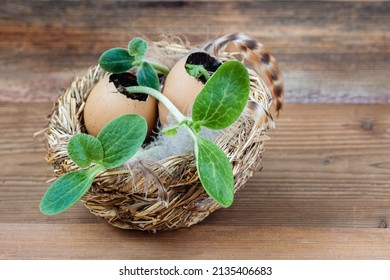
[105, 103]
[181, 89]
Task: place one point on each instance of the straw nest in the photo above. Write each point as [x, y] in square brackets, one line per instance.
[164, 194]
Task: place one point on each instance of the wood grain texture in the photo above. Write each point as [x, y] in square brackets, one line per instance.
[329, 51]
[21, 241]
[324, 193]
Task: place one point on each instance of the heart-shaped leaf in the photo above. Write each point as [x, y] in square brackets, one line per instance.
[147, 76]
[224, 96]
[116, 60]
[84, 149]
[121, 138]
[67, 190]
[214, 171]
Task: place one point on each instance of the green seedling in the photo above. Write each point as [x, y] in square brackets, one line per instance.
[120, 60]
[116, 143]
[198, 71]
[217, 106]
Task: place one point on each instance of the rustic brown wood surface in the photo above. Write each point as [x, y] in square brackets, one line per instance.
[329, 51]
[324, 192]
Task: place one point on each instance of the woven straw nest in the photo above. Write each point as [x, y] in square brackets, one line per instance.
[164, 194]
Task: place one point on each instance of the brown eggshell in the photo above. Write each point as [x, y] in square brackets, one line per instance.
[105, 103]
[181, 89]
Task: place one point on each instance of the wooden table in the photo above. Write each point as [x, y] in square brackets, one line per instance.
[324, 192]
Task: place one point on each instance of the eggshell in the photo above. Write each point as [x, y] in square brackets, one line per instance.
[181, 89]
[105, 103]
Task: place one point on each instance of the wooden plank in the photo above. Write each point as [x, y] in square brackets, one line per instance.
[329, 51]
[325, 166]
[37, 241]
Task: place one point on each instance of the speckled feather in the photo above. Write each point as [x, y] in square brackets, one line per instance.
[259, 56]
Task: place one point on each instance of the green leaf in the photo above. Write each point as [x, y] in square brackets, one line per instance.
[84, 149]
[121, 138]
[67, 190]
[197, 71]
[214, 171]
[116, 60]
[170, 131]
[147, 76]
[224, 96]
[195, 126]
[137, 48]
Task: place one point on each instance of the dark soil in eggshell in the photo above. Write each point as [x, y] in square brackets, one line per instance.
[209, 62]
[123, 80]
